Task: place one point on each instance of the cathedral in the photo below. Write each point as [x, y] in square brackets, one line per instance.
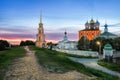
[91, 30]
[40, 41]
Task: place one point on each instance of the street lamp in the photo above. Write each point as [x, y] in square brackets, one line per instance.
[99, 44]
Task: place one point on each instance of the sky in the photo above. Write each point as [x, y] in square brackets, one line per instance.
[19, 19]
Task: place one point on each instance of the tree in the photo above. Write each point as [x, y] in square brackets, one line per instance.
[83, 44]
[3, 44]
[50, 45]
[117, 43]
[27, 42]
[22, 43]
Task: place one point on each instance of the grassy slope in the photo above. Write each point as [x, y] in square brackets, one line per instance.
[112, 66]
[59, 62]
[7, 56]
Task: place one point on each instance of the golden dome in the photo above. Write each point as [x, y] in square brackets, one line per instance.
[92, 21]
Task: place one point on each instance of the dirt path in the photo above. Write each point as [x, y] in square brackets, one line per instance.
[27, 68]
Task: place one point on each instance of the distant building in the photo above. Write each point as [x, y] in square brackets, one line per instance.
[65, 44]
[107, 51]
[91, 30]
[40, 41]
[107, 34]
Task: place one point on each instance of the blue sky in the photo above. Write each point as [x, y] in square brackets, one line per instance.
[19, 19]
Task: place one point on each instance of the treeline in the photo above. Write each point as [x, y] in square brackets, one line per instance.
[27, 42]
[4, 45]
[84, 44]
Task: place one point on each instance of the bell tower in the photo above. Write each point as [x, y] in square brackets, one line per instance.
[40, 41]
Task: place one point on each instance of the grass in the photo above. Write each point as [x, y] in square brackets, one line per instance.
[111, 66]
[55, 61]
[7, 57]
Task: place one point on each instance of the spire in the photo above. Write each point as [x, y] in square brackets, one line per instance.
[92, 21]
[65, 32]
[97, 22]
[65, 37]
[87, 24]
[40, 17]
[106, 27]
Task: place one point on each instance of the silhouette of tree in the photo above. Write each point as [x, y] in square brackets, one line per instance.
[83, 44]
[22, 43]
[27, 42]
[3, 44]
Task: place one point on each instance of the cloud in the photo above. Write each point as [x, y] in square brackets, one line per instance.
[59, 36]
[17, 36]
[54, 29]
[15, 29]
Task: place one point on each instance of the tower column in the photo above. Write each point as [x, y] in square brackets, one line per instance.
[40, 42]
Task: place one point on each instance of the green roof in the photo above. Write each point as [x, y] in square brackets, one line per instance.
[108, 47]
[107, 34]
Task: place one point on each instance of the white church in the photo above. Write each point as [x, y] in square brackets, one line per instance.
[65, 44]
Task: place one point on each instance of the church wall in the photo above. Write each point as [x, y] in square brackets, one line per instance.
[90, 34]
[81, 53]
[67, 45]
[107, 52]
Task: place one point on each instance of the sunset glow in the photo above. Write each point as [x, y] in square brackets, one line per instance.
[19, 19]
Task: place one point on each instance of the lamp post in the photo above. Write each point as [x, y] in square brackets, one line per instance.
[99, 44]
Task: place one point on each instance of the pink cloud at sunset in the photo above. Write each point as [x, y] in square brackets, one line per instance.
[16, 38]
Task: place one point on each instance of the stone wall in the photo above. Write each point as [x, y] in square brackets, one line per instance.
[116, 57]
[81, 53]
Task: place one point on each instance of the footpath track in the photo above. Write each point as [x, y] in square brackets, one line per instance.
[27, 68]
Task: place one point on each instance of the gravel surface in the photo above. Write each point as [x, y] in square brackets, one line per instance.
[27, 68]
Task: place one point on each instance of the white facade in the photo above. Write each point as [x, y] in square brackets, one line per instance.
[107, 51]
[107, 34]
[81, 53]
[65, 44]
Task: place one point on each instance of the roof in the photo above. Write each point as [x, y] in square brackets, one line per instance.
[97, 22]
[89, 30]
[108, 47]
[105, 25]
[87, 24]
[92, 21]
[107, 34]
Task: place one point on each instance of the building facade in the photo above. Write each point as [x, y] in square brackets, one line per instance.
[40, 41]
[107, 51]
[107, 34]
[65, 44]
[91, 30]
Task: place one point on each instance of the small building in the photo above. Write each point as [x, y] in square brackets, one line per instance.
[107, 34]
[65, 44]
[107, 51]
